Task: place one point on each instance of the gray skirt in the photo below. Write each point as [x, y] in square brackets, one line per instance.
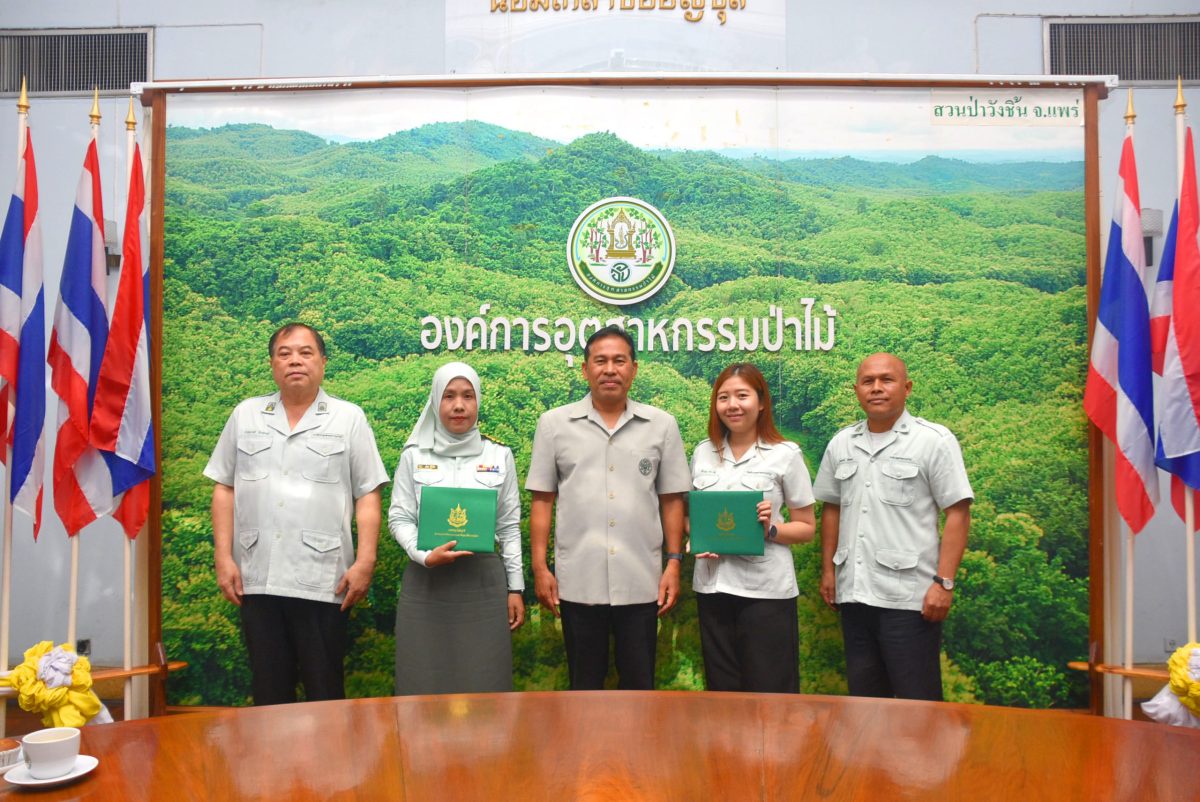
[452, 631]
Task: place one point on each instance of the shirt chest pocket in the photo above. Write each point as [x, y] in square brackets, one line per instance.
[704, 480]
[644, 464]
[253, 457]
[758, 480]
[491, 479]
[425, 477]
[844, 475]
[898, 482]
[321, 460]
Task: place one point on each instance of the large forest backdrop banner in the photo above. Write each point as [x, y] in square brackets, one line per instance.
[812, 227]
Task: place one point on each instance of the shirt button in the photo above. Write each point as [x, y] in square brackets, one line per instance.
[280, 504]
[613, 550]
[611, 495]
[872, 459]
[612, 467]
[868, 484]
[864, 509]
[612, 522]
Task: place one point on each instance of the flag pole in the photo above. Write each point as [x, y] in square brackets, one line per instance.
[1127, 682]
[73, 604]
[130, 141]
[1189, 517]
[6, 571]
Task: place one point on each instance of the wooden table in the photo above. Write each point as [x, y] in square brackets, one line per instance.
[634, 745]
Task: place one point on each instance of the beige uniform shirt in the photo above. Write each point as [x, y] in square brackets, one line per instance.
[608, 535]
[294, 492]
[890, 496]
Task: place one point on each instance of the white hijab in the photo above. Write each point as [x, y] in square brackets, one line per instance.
[430, 434]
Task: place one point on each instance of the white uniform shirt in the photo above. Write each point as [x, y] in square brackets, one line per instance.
[607, 531]
[778, 470]
[491, 469]
[294, 492]
[888, 539]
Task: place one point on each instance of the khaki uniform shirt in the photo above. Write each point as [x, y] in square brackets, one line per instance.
[608, 534]
[492, 469]
[890, 497]
[776, 469]
[294, 492]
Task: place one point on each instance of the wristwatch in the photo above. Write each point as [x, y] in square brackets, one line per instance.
[948, 584]
[773, 533]
[675, 555]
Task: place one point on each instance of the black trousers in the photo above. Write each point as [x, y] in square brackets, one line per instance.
[749, 644]
[294, 640]
[891, 653]
[586, 629]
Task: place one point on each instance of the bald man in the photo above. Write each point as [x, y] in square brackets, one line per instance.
[884, 568]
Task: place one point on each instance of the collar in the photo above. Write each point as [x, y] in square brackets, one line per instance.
[276, 417]
[727, 451]
[903, 425]
[584, 407]
[901, 428]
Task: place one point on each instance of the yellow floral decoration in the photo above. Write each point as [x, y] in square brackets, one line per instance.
[67, 706]
[1182, 684]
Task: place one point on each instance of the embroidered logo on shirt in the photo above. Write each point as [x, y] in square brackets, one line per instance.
[645, 466]
[270, 407]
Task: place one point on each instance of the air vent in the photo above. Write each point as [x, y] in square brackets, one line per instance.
[1155, 50]
[72, 62]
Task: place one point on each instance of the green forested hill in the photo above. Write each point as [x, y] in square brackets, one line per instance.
[973, 274]
[930, 175]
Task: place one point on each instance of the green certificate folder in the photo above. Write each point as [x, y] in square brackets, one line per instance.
[725, 521]
[464, 514]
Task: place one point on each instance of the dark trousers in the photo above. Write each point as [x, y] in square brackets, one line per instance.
[586, 629]
[891, 653]
[749, 644]
[294, 640]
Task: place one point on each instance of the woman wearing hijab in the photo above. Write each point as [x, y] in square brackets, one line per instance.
[456, 609]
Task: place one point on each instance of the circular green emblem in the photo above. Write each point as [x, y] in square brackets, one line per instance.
[621, 250]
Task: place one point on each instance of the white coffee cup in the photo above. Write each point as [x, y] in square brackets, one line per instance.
[51, 753]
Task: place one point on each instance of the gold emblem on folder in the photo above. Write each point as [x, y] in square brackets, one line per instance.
[725, 521]
[458, 517]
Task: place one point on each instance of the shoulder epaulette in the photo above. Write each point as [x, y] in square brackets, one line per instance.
[928, 424]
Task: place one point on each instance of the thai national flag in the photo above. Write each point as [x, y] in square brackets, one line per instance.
[1177, 296]
[121, 415]
[23, 340]
[1119, 397]
[83, 487]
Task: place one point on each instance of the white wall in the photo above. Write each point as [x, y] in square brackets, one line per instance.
[268, 38]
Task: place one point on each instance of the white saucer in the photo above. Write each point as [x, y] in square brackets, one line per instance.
[19, 775]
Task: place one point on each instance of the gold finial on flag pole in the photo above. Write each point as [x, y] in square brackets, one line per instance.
[1130, 116]
[130, 120]
[94, 114]
[23, 100]
[1180, 103]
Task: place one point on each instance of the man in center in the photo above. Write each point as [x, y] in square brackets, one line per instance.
[617, 470]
